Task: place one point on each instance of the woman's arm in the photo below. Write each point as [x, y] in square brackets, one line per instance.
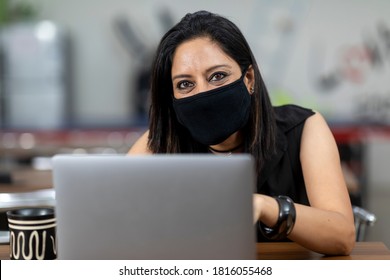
[140, 146]
[327, 226]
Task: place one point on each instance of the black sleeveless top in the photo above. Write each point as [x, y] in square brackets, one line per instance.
[282, 173]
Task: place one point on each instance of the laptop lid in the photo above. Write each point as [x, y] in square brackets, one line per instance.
[154, 207]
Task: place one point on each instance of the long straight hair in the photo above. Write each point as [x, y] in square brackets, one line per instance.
[166, 134]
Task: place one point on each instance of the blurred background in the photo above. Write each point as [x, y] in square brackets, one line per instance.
[74, 78]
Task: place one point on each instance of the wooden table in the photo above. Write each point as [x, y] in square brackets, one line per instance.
[293, 251]
[28, 179]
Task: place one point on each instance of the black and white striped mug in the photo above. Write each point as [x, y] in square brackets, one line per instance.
[32, 234]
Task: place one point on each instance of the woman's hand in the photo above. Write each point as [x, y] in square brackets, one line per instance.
[265, 209]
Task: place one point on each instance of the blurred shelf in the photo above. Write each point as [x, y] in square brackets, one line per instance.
[355, 133]
[28, 144]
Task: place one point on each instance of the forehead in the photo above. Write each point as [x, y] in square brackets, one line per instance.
[199, 54]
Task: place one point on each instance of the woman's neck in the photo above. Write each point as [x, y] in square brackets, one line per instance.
[234, 144]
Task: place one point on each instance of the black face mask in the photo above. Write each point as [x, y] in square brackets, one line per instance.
[212, 116]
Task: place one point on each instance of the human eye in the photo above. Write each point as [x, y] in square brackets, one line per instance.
[184, 85]
[218, 76]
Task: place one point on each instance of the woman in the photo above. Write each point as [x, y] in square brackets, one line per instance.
[208, 97]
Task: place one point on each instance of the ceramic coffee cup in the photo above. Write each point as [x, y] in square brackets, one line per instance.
[32, 234]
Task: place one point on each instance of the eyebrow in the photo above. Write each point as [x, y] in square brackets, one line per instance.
[207, 70]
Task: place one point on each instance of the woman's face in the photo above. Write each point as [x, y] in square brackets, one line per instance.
[200, 65]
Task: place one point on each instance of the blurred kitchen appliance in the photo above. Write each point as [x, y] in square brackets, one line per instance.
[35, 78]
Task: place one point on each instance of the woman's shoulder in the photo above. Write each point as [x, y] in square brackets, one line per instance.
[141, 145]
[289, 116]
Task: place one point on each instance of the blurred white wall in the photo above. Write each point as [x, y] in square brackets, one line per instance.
[340, 63]
[310, 52]
[104, 69]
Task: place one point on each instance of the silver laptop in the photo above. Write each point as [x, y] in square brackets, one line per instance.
[154, 207]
